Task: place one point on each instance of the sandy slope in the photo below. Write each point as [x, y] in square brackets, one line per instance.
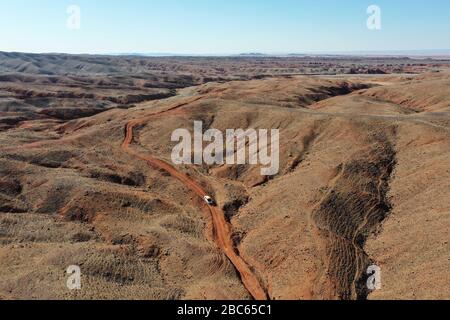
[363, 180]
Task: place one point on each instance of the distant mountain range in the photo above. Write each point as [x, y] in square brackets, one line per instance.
[382, 53]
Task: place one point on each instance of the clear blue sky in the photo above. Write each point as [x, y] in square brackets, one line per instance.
[222, 26]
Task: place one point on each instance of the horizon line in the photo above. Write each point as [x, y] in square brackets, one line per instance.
[367, 53]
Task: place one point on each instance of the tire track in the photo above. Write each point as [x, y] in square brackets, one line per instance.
[223, 233]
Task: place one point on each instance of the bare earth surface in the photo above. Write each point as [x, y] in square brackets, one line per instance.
[86, 178]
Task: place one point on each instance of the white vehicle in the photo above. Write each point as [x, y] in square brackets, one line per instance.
[209, 200]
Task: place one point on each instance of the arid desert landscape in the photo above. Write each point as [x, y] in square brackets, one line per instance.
[87, 179]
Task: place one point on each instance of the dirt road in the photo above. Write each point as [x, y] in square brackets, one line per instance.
[222, 229]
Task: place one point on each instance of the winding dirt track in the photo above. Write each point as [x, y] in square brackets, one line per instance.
[222, 230]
